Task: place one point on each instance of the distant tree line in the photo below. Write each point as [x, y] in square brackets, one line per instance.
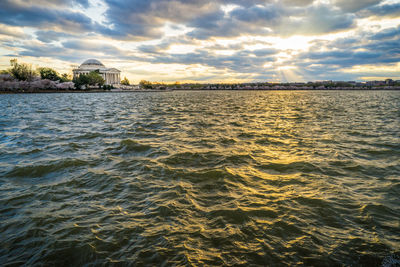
[143, 84]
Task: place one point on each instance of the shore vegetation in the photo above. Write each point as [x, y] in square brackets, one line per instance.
[22, 72]
[21, 77]
[125, 81]
[84, 81]
[52, 75]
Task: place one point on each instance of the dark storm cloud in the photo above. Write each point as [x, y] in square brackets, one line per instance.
[273, 19]
[12, 13]
[389, 49]
[208, 21]
[257, 13]
[346, 59]
[50, 36]
[76, 50]
[387, 10]
[49, 50]
[377, 51]
[387, 34]
[355, 5]
[152, 49]
[240, 62]
[82, 3]
[264, 52]
[255, 20]
[144, 19]
[138, 19]
[101, 49]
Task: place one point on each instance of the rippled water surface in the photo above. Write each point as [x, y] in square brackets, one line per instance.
[200, 178]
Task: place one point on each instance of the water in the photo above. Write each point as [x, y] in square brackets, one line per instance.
[200, 178]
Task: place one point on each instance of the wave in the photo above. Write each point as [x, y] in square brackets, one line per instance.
[199, 178]
[40, 170]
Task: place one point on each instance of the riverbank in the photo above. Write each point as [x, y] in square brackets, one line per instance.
[155, 90]
[78, 91]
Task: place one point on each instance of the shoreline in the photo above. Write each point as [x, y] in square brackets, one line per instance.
[188, 90]
[79, 92]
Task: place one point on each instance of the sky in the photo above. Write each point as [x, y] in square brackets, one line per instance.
[208, 41]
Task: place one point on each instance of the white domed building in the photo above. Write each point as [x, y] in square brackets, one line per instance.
[112, 76]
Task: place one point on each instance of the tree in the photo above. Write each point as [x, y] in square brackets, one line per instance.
[49, 74]
[81, 80]
[177, 85]
[21, 72]
[65, 78]
[125, 81]
[93, 78]
[146, 84]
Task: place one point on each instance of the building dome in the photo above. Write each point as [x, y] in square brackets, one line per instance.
[92, 63]
[110, 75]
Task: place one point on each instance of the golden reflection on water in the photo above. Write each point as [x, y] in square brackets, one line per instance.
[202, 178]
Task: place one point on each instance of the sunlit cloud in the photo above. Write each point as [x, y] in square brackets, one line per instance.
[204, 41]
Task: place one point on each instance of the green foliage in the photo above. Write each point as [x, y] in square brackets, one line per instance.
[108, 87]
[177, 85]
[81, 80]
[125, 81]
[64, 78]
[342, 84]
[49, 73]
[4, 72]
[21, 72]
[93, 78]
[161, 86]
[146, 84]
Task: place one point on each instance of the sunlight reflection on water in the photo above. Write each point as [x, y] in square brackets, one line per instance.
[200, 178]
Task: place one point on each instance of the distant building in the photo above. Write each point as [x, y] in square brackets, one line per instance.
[111, 76]
[389, 82]
[376, 83]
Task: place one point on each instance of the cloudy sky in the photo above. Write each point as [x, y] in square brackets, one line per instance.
[208, 40]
